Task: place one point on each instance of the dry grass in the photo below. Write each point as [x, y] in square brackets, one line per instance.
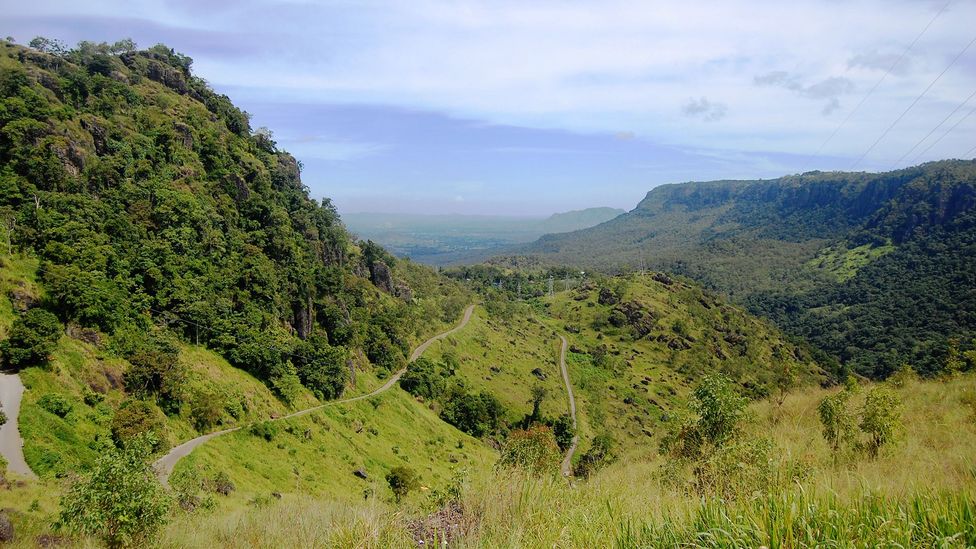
[916, 493]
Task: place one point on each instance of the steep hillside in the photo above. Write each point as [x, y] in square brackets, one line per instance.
[876, 269]
[164, 270]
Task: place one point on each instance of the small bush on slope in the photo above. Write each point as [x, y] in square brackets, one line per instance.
[120, 501]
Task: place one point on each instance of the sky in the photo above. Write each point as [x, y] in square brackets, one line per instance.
[530, 108]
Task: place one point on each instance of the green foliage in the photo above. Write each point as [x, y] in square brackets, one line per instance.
[135, 418]
[597, 456]
[322, 367]
[717, 410]
[120, 501]
[55, 403]
[837, 422]
[286, 383]
[32, 339]
[874, 269]
[476, 414]
[267, 430]
[150, 203]
[157, 371]
[533, 449]
[880, 418]
[423, 378]
[402, 480]
[3, 417]
[206, 409]
[563, 431]
[719, 407]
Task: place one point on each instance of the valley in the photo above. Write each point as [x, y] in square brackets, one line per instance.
[210, 357]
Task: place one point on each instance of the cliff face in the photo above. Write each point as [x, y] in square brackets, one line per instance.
[773, 244]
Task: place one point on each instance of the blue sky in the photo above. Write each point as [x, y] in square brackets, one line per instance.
[513, 107]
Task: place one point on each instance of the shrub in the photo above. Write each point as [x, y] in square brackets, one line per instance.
[563, 430]
[135, 418]
[599, 455]
[533, 449]
[719, 407]
[402, 480]
[474, 414]
[157, 371]
[3, 418]
[880, 418]
[265, 429]
[55, 403]
[206, 409]
[837, 422]
[120, 500]
[32, 339]
[717, 410]
[423, 379]
[285, 382]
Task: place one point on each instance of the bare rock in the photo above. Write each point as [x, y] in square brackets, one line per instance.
[380, 275]
[361, 473]
[6, 528]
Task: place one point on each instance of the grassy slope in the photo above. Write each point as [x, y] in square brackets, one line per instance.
[499, 356]
[635, 396]
[317, 454]
[398, 431]
[915, 493]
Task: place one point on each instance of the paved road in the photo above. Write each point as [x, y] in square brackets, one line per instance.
[567, 467]
[164, 465]
[11, 445]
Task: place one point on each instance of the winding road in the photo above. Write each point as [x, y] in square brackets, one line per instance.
[164, 465]
[567, 467]
[11, 444]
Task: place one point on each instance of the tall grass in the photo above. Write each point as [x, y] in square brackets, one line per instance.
[918, 493]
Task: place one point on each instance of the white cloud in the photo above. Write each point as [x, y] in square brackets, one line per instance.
[598, 66]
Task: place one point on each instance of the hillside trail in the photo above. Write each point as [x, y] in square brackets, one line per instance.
[567, 467]
[164, 465]
[11, 443]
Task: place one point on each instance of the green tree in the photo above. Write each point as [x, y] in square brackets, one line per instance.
[33, 337]
[120, 500]
[402, 480]
[880, 418]
[717, 409]
[423, 379]
[322, 367]
[599, 455]
[836, 420]
[538, 396]
[563, 430]
[135, 418]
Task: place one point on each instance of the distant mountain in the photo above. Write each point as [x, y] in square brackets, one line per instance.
[578, 219]
[449, 239]
[876, 269]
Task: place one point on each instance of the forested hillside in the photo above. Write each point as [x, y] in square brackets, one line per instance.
[164, 268]
[876, 269]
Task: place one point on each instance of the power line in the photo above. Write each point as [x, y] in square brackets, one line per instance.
[937, 126]
[915, 102]
[944, 134]
[882, 79]
[969, 153]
